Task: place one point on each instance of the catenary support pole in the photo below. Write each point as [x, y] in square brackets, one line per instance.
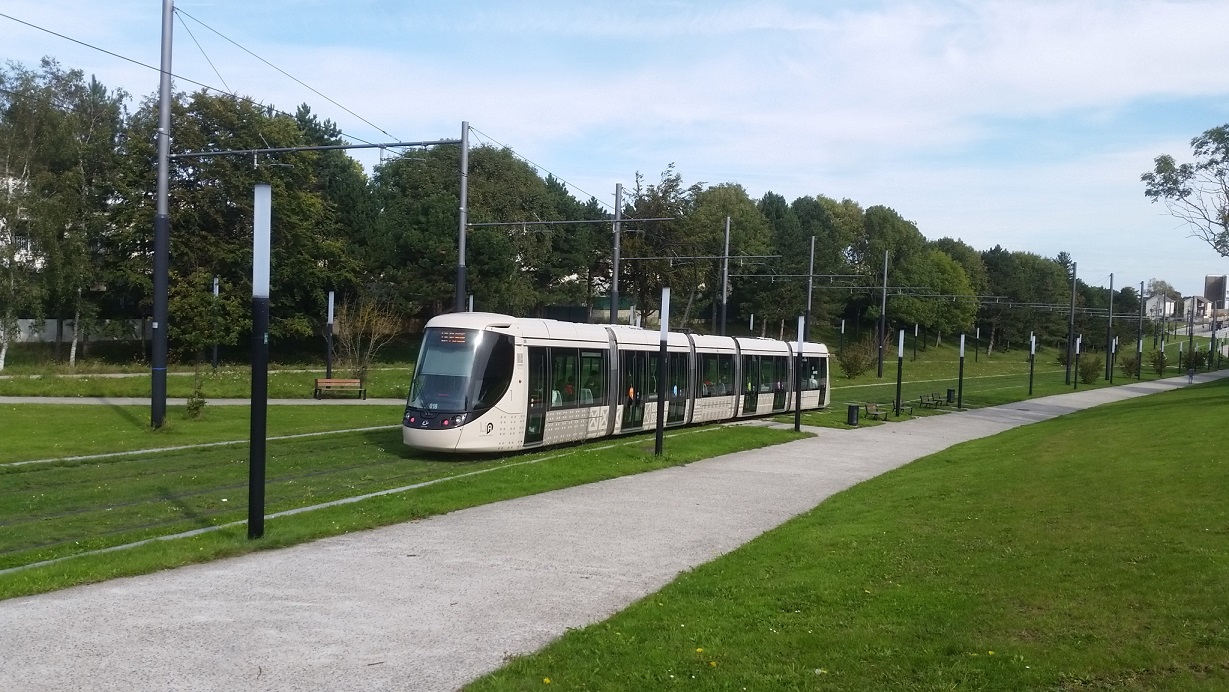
[900, 368]
[260, 360]
[215, 322]
[976, 343]
[842, 334]
[459, 305]
[960, 378]
[328, 353]
[614, 280]
[798, 375]
[1032, 357]
[1109, 334]
[725, 275]
[883, 313]
[915, 342]
[1078, 343]
[661, 371]
[162, 228]
[1139, 335]
[806, 326]
[1071, 324]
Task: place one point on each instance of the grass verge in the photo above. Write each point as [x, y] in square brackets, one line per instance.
[44, 431]
[64, 509]
[1086, 552]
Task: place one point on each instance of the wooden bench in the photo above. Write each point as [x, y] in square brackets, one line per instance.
[875, 412]
[930, 401]
[324, 384]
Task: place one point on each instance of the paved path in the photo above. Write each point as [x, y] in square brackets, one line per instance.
[432, 604]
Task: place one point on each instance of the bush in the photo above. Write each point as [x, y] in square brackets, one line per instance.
[1091, 368]
[1159, 362]
[857, 358]
[1130, 365]
[1192, 359]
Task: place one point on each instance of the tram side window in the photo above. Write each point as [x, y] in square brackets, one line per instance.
[781, 374]
[564, 374]
[751, 374]
[768, 380]
[676, 369]
[709, 375]
[537, 376]
[725, 375]
[650, 391]
[592, 378]
[811, 376]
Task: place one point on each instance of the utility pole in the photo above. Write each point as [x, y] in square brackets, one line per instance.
[661, 371]
[162, 226]
[262, 214]
[1071, 326]
[215, 322]
[614, 283]
[464, 216]
[725, 274]
[810, 285]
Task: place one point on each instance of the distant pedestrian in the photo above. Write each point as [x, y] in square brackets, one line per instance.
[1190, 375]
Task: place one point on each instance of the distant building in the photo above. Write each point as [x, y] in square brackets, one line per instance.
[1160, 307]
[1198, 306]
[1216, 290]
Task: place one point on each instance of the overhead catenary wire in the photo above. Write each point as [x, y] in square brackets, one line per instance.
[542, 168]
[287, 74]
[203, 85]
[203, 53]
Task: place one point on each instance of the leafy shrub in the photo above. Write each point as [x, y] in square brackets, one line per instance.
[1159, 362]
[195, 405]
[857, 358]
[1192, 359]
[1130, 365]
[1091, 367]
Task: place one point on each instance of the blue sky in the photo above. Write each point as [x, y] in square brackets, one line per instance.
[1022, 123]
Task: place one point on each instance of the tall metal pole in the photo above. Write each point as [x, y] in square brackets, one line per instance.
[328, 354]
[1190, 325]
[1076, 379]
[459, 306]
[725, 274]
[215, 323]
[960, 378]
[798, 376]
[1071, 326]
[915, 342]
[883, 313]
[1109, 333]
[614, 282]
[1139, 351]
[900, 368]
[810, 286]
[661, 371]
[1032, 356]
[260, 360]
[842, 333]
[977, 343]
[162, 227]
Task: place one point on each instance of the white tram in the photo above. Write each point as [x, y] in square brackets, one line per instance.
[489, 383]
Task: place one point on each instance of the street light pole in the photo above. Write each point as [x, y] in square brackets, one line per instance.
[725, 274]
[883, 313]
[1109, 333]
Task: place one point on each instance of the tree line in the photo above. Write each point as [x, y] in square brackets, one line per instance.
[76, 217]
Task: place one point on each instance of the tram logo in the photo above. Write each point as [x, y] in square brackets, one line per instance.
[489, 428]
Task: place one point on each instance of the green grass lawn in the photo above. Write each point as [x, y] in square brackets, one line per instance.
[391, 381]
[1086, 552]
[63, 509]
[44, 431]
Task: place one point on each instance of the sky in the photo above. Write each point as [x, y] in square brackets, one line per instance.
[1024, 123]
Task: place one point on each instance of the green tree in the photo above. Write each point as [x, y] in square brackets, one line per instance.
[1198, 192]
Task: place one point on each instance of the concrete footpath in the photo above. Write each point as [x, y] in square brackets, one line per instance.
[432, 604]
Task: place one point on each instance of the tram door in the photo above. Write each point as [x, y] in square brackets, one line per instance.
[535, 420]
[780, 381]
[634, 371]
[751, 383]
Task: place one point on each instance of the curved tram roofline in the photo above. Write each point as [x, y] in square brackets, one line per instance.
[486, 382]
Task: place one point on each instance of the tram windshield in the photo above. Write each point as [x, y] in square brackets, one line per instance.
[461, 370]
